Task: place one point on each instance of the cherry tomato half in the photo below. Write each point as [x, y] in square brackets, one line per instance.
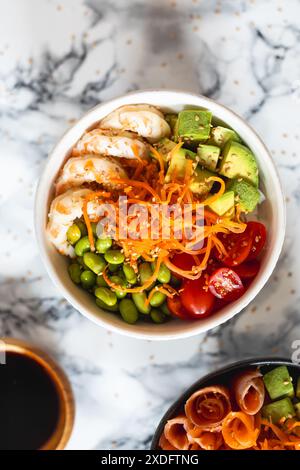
[248, 269]
[237, 245]
[196, 298]
[183, 261]
[176, 308]
[226, 284]
[259, 235]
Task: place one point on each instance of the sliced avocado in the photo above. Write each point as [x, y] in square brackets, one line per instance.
[221, 135]
[193, 125]
[279, 409]
[177, 164]
[199, 183]
[171, 119]
[208, 156]
[238, 161]
[297, 409]
[164, 147]
[279, 383]
[224, 204]
[246, 195]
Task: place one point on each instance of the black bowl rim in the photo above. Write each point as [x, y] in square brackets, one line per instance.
[255, 362]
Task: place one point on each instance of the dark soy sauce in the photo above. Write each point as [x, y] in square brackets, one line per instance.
[29, 404]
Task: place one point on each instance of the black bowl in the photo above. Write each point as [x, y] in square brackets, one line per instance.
[222, 376]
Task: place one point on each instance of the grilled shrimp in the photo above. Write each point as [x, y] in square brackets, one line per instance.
[143, 119]
[64, 210]
[89, 168]
[111, 143]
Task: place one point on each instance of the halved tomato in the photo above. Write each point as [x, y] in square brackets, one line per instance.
[197, 300]
[226, 284]
[237, 245]
[259, 236]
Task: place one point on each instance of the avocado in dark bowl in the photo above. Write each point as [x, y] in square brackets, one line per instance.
[223, 377]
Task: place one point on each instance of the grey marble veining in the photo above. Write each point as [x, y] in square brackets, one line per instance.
[59, 58]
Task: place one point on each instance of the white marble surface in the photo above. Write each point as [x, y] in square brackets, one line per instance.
[57, 59]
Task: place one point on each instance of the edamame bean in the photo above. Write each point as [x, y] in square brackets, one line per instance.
[79, 260]
[106, 295]
[129, 273]
[164, 274]
[103, 244]
[165, 309]
[82, 227]
[113, 268]
[157, 316]
[145, 272]
[82, 246]
[139, 299]
[128, 311]
[114, 257]
[120, 282]
[88, 279]
[74, 272]
[73, 234]
[100, 281]
[114, 308]
[157, 299]
[95, 262]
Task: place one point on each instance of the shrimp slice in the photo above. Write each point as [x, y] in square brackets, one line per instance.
[110, 143]
[89, 168]
[143, 119]
[64, 209]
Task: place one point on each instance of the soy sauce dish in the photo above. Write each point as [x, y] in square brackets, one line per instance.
[249, 405]
[37, 405]
[158, 149]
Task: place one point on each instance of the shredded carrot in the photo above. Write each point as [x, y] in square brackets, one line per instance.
[160, 160]
[136, 152]
[216, 196]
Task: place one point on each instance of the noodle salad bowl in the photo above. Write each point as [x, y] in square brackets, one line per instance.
[154, 146]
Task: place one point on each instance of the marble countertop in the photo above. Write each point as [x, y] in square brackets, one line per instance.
[57, 59]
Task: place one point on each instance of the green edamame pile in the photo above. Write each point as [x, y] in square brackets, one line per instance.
[86, 270]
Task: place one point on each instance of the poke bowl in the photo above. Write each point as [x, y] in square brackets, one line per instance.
[160, 149]
[253, 404]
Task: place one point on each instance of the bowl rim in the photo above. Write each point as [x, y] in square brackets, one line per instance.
[220, 317]
[229, 368]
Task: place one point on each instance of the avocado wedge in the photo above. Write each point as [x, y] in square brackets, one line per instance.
[193, 125]
[246, 195]
[221, 135]
[224, 204]
[208, 156]
[238, 161]
[199, 184]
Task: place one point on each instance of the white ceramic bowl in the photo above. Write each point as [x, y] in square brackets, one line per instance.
[271, 212]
